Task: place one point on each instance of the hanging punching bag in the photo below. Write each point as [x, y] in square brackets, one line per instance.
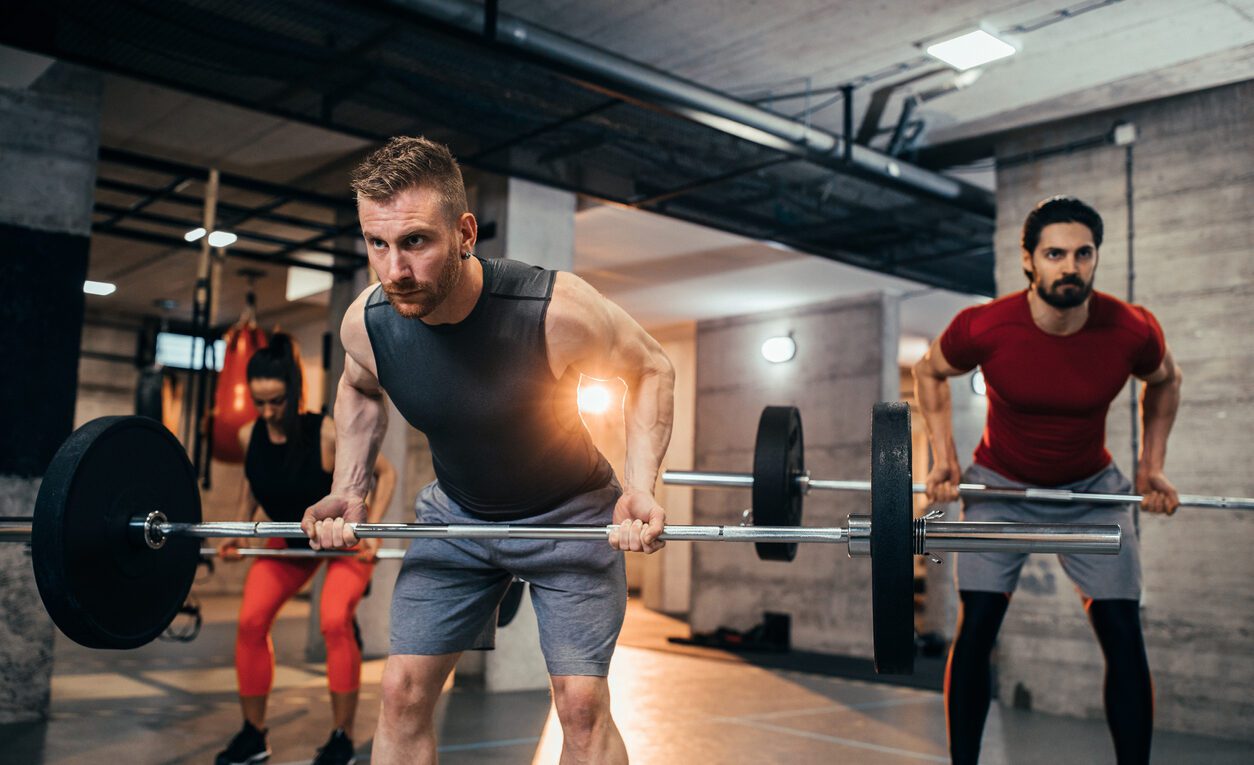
[233, 403]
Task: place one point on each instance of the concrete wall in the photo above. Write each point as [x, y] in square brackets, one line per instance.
[846, 361]
[1192, 184]
[106, 387]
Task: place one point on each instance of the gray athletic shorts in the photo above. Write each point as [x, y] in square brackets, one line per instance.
[448, 589]
[1096, 576]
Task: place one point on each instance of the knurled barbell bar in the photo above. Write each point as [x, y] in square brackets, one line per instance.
[779, 479]
[113, 536]
[383, 553]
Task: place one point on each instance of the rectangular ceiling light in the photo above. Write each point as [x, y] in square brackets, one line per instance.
[971, 50]
[99, 288]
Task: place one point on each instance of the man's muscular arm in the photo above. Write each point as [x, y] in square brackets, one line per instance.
[931, 391]
[360, 422]
[593, 336]
[1159, 402]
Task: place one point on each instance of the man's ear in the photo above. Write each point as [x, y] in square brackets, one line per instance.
[468, 230]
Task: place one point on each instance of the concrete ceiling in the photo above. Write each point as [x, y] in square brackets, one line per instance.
[664, 271]
[1102, 53]
[157, 121]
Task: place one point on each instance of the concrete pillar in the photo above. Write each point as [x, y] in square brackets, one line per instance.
[49, 134]
[667, 585]
[534, 224]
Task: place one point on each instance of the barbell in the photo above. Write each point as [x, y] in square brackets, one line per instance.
[779, 480]
[114, 533]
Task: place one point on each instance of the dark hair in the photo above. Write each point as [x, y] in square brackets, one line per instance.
[1059, 209]
[280, 360]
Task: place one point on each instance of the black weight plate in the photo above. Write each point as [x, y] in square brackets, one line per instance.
[508, 608]
[103, 587]
[778, 458]
[892, 539]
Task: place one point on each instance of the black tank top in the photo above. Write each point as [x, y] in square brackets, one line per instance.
[285, 487]
[506, 438]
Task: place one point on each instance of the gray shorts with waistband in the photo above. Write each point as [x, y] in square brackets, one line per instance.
[1096, 576]
[448, 589]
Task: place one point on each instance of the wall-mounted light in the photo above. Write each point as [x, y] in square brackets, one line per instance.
[777, 350]
[971, 50]
[194, 235]
[222, 239]
[99, 288]
[978, 386]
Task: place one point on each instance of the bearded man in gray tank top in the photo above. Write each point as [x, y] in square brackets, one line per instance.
[484, 357]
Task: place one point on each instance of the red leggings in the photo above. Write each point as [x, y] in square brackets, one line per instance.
[270, 583]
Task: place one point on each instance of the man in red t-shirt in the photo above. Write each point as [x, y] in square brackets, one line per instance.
[1054, 356]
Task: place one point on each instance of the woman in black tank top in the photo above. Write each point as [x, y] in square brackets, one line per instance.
[289, 457]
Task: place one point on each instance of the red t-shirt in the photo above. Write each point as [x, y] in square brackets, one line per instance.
[1048, 394]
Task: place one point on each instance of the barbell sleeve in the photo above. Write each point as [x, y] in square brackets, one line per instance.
[980, 536]
[806, 484]
[710, 478]
[15, 529]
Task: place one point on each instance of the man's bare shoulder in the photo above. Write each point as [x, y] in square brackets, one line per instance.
[353, 332]
[575, 303]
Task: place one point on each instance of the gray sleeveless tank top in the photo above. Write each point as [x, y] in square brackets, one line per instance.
[505, 434]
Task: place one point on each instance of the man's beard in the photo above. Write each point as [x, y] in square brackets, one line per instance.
[414, 300]
[1067, 292]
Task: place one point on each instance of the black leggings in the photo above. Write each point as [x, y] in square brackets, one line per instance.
[1129, 693]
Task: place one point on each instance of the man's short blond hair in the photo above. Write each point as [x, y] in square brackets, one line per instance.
[407, 162]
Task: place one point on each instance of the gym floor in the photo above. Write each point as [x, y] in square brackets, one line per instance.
[175, 703]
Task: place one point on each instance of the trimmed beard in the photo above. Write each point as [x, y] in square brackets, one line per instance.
[1054, 296]
[429, 296]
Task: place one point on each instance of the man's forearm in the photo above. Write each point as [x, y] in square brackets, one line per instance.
[934, 402]
[384, 484]
[650, 412]
[360, 422]
[1159, 404]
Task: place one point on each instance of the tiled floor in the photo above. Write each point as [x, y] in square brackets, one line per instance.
[175, 703]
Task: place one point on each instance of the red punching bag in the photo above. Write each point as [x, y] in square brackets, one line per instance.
[233, 402]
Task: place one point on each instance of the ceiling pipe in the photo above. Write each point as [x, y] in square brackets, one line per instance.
[639, 83]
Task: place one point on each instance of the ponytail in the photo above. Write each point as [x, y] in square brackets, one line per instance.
[280, 360]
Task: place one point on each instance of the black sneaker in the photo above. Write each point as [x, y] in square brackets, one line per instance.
[248, 747]
[338, 750]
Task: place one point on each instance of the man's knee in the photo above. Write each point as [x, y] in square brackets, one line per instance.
[410, 690]
[583, 704]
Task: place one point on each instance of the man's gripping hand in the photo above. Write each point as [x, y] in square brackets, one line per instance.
[1158, 494]
[942, 482]
[325, 523]
[639, 520]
